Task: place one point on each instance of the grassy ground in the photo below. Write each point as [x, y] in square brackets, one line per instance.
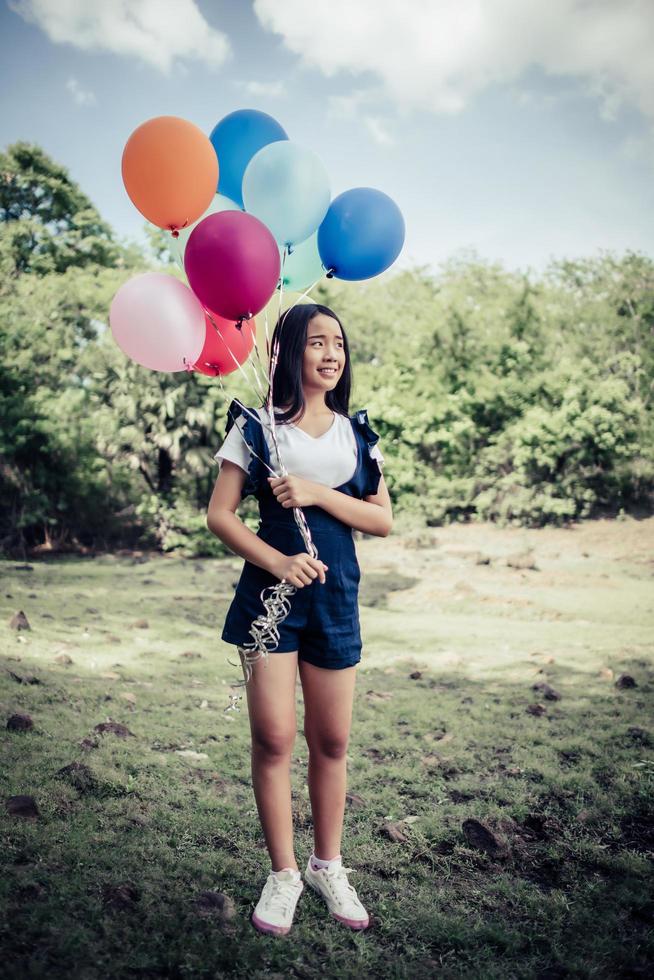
[492, 838]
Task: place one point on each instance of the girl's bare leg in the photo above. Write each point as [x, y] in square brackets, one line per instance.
[328, 697]
[271, 707]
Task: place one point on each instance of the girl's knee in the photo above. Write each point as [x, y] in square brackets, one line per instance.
[328, 746]
[273, 744]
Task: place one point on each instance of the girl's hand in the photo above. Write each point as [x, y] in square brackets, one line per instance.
[293, 491]
[300, 570]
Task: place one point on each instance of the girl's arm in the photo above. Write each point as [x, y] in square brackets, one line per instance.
[372, 515]
[222, 521]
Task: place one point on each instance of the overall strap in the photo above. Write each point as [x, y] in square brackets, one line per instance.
[253, 434]
[365, 482]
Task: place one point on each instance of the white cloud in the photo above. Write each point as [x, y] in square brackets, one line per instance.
[377, 129]
[270, 90]
[341, 107]
[159, 32]
[438, 56]
[80, 95]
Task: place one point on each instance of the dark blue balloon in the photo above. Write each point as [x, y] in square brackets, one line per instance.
[236, 139]
[361, 235]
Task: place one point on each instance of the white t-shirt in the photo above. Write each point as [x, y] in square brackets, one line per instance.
[329, 459]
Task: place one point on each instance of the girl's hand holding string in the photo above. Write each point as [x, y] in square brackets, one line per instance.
[293, 491]
[299, 570]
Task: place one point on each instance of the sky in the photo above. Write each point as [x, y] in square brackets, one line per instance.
[521, 129]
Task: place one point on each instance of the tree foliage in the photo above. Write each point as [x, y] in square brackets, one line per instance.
[497, 395]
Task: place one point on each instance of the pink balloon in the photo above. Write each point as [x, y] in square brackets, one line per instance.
[232, 263]
[157, 321]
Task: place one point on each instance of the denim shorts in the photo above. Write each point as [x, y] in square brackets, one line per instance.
[323, 623]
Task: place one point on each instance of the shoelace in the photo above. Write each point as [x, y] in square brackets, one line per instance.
[339, 874]
[281, 896]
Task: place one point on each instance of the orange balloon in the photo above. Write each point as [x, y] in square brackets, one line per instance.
[170, 171]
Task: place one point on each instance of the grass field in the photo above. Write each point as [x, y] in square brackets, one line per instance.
[497, 830]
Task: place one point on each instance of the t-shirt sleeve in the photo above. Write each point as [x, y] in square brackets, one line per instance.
[376, 453]
[234, 448]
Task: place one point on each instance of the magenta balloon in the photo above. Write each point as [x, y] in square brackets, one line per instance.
[157, 321]
[232, 263]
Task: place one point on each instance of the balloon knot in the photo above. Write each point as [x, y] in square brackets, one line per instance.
[174, 232]
[188, 367]
[330, 273]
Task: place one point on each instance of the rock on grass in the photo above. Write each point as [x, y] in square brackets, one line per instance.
[114, 728]
[19, 621]
[215, 904]
[483, 838]
[79, 776]
[123, 896]
[24, 678]
[625, 681]
[23, 806]
[394, 832]
[20, 722]
[546, 691]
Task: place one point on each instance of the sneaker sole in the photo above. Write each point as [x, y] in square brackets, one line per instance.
[269, 927]
[352, 923]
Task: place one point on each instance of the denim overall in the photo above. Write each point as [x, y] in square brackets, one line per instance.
[323, 624]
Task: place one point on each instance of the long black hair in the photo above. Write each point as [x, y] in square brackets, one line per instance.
[287, 381]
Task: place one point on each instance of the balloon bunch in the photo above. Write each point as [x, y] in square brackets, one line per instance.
[250, 213]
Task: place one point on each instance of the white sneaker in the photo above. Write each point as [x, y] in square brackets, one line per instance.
[275, 909]
[341, 897]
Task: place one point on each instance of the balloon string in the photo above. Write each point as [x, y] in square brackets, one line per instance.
[234, 358]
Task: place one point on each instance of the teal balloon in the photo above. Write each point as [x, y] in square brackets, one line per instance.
[287, 187]
[219, 203]
[303, 266]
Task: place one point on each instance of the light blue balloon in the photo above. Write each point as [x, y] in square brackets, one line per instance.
[236, 138]
[287, 187]
[303, 266]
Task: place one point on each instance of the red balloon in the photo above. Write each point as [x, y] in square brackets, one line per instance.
[216, 357]
[232, 263]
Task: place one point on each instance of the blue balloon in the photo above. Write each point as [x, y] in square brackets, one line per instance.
[236, 139]
[361, 235]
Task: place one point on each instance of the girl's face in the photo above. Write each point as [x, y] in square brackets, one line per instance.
[324, 354]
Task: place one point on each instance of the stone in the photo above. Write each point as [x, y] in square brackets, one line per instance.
[79, 776]
[24, 678]
[624, 681]
[209, 903]
[483, 838]
[394, 832]
[20, 722]
[121, 896]
[23, 806]
[114, 728]
[19, 621]
[547, 692]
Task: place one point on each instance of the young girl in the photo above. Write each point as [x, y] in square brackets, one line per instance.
[336, 479]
